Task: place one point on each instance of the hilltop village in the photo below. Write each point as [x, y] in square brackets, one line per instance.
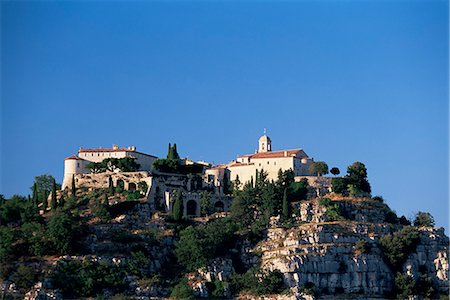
[168, 176]
[267, 225]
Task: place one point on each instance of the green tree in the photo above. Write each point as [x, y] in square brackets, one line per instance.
[424, 219]
[6, 244]
[397, 246]
[110, 186]
[62, 231]
[54, 203]
[110, 164]
[95, 167]
[44, 201]
[335, 171]
[62, 201]
[44, 183]
[205, 204]
[24, 277]
[36, 238]
[169, 152]
[142, 187]
[35, 197]
[357, 176]
[175, 152]
[182, 291]
[74, 188]
[225, 183]
[286, 206]
[318, 168]
[177, 210]
[127, 164]
[339, 186]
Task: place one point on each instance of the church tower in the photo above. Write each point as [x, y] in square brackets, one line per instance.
[265, 144]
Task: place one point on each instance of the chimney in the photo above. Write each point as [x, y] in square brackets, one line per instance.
[115, 147]
[285, 153]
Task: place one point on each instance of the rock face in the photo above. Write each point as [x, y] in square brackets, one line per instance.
[324, 253]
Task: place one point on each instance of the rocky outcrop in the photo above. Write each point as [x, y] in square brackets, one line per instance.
[324, 254]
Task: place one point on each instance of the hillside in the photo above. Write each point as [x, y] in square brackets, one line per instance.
[112, 244]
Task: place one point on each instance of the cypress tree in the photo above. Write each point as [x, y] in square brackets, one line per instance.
[175, 152]
[54, 203]
[35, 198]
[74, 188]
[177, 211]
[169, 152]
[62, 201]
[44, 200]
[106, 200]
[110, 186]
[286, 207]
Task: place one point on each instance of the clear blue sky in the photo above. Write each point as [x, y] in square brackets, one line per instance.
[345, 80]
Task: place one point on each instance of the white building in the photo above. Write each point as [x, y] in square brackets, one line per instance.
[245, 166]
[76, 164]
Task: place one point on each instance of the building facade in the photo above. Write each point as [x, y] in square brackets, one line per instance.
[76, 164]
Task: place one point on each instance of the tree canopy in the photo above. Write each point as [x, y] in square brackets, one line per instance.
[318, 168]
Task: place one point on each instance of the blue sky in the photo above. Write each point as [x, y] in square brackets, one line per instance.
[345, 80]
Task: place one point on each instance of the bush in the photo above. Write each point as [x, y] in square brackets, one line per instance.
[378, 198]
[36, 238]
[62, 231]
[424, 219]
[339, 186]
[325, 202]
[258, 282]
[361, 247]
[182, 291]
[396, 247]
[391, 217]
[197, 245]
[86, 279]
[24, 277]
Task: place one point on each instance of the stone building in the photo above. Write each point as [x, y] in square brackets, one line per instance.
[76, 164]
[245, 166]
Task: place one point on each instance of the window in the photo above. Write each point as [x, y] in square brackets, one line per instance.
[78, 165]
[267, 162]
[274, 163]
[260, 164]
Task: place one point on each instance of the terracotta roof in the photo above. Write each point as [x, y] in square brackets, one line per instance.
[73, 157]
[105, 150]
[275, 154]
[238, 164]
[92, 150]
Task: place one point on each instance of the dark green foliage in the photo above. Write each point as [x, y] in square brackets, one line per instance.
[378, 198]
[35, 196]
[339, 185]
[110, 186]
[197, 245]
[62, 232]
[142, 187]
[119, 186]
[95, 167]
[318, 168]
[309, 288]
[226, 184]
[138, 264]
[100, 210]
[17, 210]
[325, 202]
[54, 203]
[424, 219]
[177, 210]
[134, 195]
[286, 206]
[24, 277]
[182, 291]
[205, 204]
[357, 177]
[128, 164]
[36, 239]
[167, 165]
[124, 237]
[406, 286]
[62, 201]
[397, 246]
[361, 247]
[86, 279]
[335, 171]
[299, 190]
[6, 244]
[44, 201]
[74, 187]
[404, 221]
[258, 282]
[44, 183]
[391, 217]
[216, 289]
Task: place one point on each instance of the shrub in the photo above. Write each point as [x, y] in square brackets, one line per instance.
[86, 279]
[391, 217]
[396, 247]
[424, 219]
[378, 198]
[309, 288]
[325, 202]
[404, 221]
[258, 282]
[62, 232]
[24, 277]
[182, 291]
[339, 186]
[361, 247]
[36, 238]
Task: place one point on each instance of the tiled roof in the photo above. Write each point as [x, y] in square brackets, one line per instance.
[105, 150]
[73, 157]
[275, 154]
[238, 164]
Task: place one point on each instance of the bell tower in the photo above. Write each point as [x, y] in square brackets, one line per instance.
[265, 144]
